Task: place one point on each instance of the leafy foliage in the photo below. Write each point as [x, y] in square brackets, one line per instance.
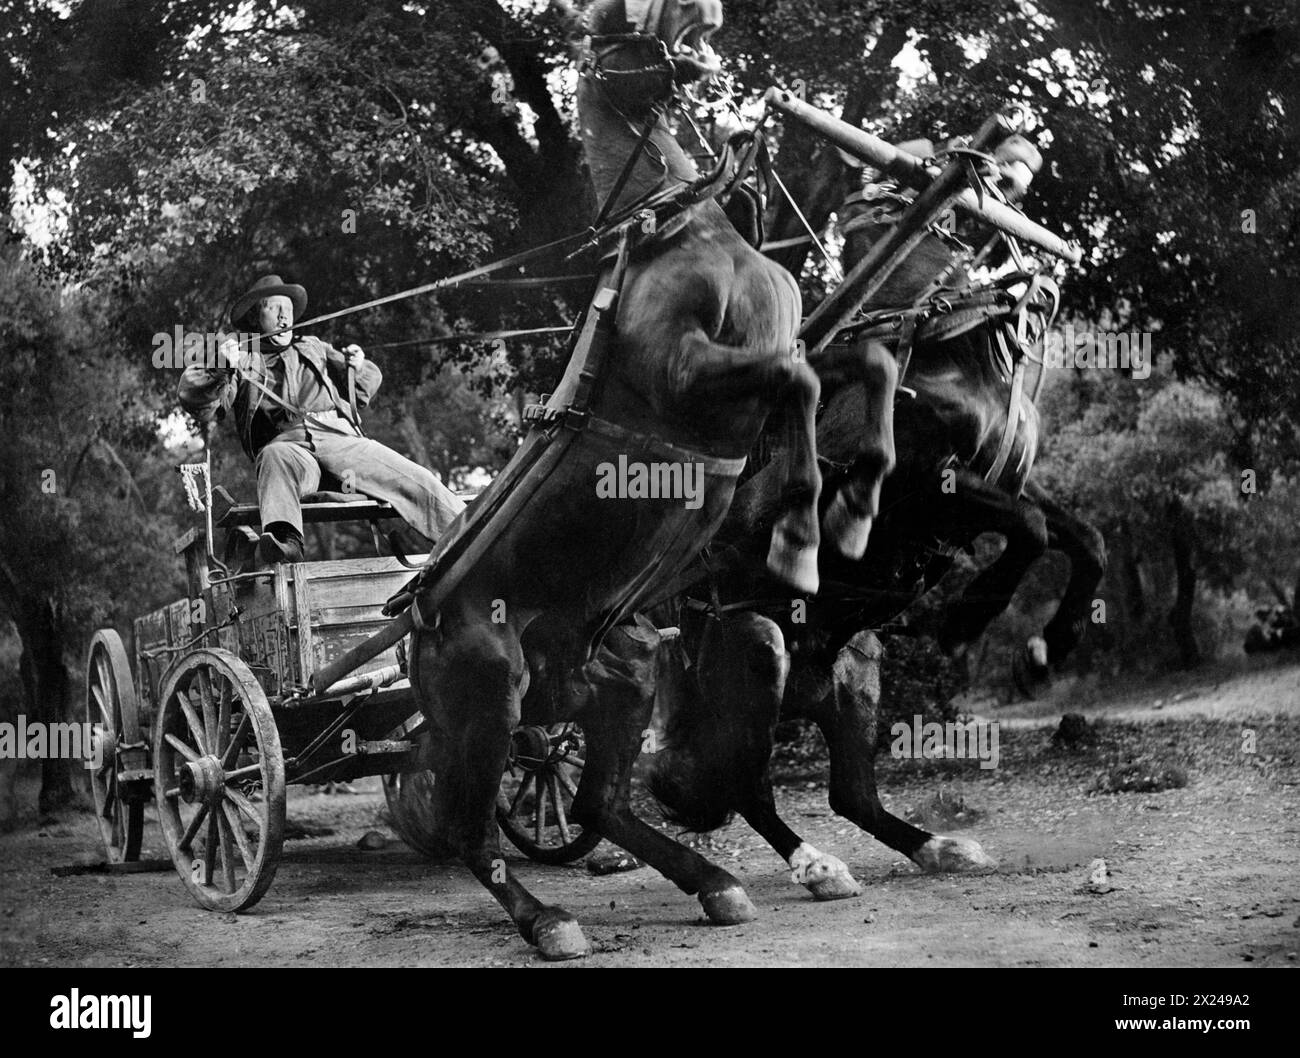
[81, 478]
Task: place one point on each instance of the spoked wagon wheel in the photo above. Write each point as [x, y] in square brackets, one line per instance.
[537, 792]
[410, 807]
[219, 780]
[114, 720]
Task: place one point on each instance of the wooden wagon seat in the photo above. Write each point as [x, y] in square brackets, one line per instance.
[316, 507]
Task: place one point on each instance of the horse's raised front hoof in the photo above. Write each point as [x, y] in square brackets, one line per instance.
[558, 935]
[826, 877]
[728, 907]
[953, 854]
[795, 566]
[850, 532]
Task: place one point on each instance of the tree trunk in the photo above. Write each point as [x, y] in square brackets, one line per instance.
[45, 689]
[1180, 617]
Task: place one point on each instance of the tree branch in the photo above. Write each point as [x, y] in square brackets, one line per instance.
[820, 187]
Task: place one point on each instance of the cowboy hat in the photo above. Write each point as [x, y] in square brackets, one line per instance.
[269, 287]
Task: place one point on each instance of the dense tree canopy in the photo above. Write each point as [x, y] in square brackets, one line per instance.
[198, 140]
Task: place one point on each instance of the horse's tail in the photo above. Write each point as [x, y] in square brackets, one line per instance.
[684, 777]
[687, 795]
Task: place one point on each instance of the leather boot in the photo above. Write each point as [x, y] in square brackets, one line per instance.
[283, 546]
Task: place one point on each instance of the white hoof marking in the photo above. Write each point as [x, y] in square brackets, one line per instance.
[942, 853]
[826, 877]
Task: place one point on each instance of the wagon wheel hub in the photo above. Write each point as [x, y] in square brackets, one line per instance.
[537, 796]
[104, 747]
[201, 780]
[531, 747]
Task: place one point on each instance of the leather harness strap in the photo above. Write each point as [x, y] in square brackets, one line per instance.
[628, 167]
[631, 440]
[903, 353]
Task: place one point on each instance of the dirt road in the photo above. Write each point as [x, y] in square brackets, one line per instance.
[1204, 875]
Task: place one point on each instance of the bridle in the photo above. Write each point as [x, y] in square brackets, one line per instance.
[644, 17]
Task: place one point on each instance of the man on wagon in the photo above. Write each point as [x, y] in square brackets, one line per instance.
[871, 210]
[293, 422]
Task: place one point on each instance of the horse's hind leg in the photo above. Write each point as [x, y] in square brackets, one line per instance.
[742, 673]
[848, 716]
[468, 688]
[1085, 547]
[977, 507]
[614, 725]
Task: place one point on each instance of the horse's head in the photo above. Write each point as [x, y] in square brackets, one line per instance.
[642, 49]
[686, 26]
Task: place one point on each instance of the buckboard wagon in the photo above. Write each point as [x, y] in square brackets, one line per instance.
[211, 716]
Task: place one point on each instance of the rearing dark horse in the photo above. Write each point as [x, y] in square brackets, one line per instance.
[701, 353]
[966, 440]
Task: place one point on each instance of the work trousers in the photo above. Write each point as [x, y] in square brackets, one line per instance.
[290, 467]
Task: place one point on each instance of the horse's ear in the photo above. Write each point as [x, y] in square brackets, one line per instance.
[573, 24]
[571, 18]
[566, 13]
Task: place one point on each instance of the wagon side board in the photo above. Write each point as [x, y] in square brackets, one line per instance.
[285, 624]
[333, 606]
[156, 636]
